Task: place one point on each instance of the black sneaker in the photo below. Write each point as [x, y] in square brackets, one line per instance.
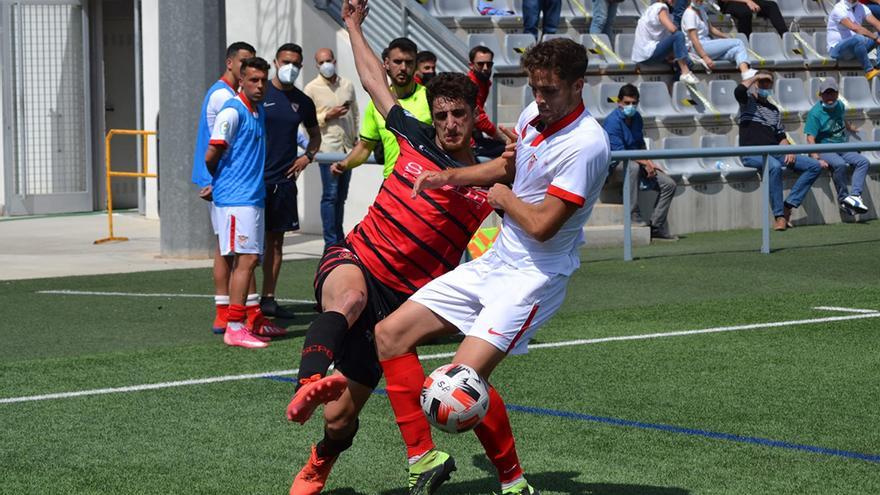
[269, 306]
[431, 471]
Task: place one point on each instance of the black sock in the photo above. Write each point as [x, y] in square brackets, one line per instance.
[323, 341]
[329, 447]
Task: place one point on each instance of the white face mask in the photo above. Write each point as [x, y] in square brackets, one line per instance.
[852, 5]
[287, 74]
[327, 69]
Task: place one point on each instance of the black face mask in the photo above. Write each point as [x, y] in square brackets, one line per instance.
[427, 76]
[483, 77]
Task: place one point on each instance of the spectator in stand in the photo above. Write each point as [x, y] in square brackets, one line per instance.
[624, 127]
[426, 67]
[825, 124]
[760, 124]
[742, 10]
[695, 24]
[489, 139]
[532, 10]
[678, 11]
[873, 6]
[658, 40]
[337, 113]
[847, 39]
[604, 12]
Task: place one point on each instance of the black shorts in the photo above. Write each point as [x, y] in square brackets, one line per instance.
[281, 214]
[357, 359]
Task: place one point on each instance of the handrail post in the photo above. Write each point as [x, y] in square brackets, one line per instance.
[765, 207]
[627, 219]
[109, 188]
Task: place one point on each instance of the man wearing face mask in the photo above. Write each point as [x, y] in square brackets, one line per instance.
[286, 108]
[848, 40]
[489, 140]
[760, 124]
[399, 60]
[426, 67]
[337, 112]
[825, 124]
[624, 128]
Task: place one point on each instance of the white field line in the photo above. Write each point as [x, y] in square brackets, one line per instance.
[846, 310]
[149, 294]
[443, 355]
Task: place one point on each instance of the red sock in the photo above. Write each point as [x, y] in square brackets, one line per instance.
[220, 318]
[405, 377]
[497, 438]
[235, 313]
[254, 314]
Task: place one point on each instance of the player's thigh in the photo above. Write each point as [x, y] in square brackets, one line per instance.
[344, 290]
[407, 327]
[479, 354]
[341, 413]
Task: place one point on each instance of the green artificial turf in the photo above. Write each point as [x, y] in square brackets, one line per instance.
[811, 384]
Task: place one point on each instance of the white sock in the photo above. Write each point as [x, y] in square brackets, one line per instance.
[505, 486]
[252, 300]
[235, 326]
[221, 300]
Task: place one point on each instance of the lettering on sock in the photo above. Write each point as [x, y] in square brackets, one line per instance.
[318, 348]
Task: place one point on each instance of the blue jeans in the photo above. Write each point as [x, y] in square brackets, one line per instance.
[671, 44]
[335, 192]
[532, 10]
[855, 48]
[604, 12]
[840, 163]
[726, 49]
[808, 168]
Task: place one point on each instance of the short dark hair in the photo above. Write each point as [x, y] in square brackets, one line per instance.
[289, 47]
[628, 90]
[238, 46]
[562, 56]
[405, 45]
[425, 56]
[452, 86]
[479, 49]
[255, 62]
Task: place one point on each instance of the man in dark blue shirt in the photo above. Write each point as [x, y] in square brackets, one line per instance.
[624, 128]
[286, 108]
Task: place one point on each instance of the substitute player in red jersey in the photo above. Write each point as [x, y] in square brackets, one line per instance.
[499, 300]
[402, 243]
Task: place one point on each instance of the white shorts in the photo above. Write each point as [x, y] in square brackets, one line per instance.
[494, 301]
[241, 229]
[212, 212]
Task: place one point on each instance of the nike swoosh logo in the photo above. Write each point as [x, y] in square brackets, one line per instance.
[493, 332]
[509, 470]
[269, 104]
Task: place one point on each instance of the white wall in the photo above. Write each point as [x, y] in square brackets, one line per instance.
[150, 74]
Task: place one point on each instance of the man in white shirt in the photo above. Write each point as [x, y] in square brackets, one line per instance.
[847, 39]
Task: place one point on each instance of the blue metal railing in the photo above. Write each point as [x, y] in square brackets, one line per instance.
[764, 151]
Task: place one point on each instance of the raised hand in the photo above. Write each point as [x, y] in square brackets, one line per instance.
[354, 11]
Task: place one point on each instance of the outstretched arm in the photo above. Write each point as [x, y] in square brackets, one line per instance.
[369, 67]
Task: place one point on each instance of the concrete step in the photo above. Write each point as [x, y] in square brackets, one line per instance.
[612, 236]
[606, 214]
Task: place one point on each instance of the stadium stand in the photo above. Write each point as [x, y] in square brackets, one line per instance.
[857, 91]
[688, 169]
[656, 105]
[790, 98]
[607, 101]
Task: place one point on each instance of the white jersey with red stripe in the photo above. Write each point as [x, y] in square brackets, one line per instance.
[569, 160]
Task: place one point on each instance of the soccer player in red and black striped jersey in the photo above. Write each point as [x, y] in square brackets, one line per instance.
[402, 243]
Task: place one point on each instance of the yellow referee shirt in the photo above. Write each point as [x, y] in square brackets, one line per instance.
[373, 125]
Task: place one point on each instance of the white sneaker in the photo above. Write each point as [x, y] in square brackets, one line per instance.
[749, 74]
[690, 78]
[856, 203]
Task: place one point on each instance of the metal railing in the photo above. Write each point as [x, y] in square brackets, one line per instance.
[110, 174]
[764, 151]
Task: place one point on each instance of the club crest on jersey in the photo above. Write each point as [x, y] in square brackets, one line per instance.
[224, 128]
[532, 161]
[242, 240]
[412, 170]
[294, 107]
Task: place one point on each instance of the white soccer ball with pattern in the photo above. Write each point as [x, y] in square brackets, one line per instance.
[455, 398]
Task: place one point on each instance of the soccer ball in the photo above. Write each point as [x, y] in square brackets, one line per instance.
[455, 398]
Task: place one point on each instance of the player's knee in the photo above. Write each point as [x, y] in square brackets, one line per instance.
[387, 340]
[340, 422]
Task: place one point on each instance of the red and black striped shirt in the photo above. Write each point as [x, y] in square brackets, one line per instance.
[406, 242]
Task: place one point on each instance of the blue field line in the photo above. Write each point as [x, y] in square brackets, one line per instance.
[715, 435]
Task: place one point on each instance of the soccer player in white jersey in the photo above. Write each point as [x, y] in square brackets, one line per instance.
[499, 300]
[222, 90]
[235, 158]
